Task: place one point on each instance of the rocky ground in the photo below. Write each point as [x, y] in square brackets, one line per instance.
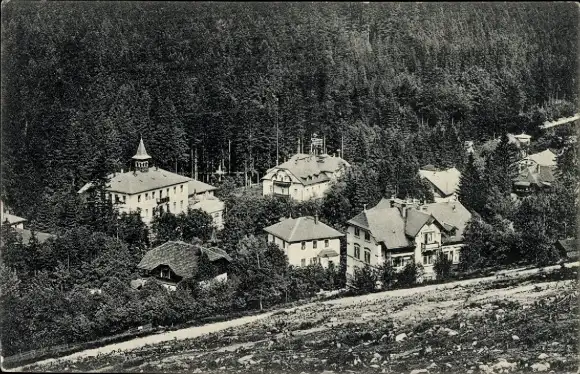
[499, 326]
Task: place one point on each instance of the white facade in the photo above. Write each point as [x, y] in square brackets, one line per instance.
[284, 183]
[172, 199]
[427, 244]
[304, 253]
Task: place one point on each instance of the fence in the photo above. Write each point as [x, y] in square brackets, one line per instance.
[59, 350]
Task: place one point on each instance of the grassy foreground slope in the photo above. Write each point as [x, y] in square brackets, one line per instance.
[516, 326]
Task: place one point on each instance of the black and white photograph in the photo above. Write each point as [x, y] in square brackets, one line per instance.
[289, 187]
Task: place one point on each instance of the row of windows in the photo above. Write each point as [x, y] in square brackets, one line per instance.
[367, 234]
[303, 244]
[160, 193]
[174, 209]
[312, 261]
[367, 254]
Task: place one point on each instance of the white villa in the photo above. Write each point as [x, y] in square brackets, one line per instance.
[151, 190]
[401, 231]
[304, 176]
[306, 241]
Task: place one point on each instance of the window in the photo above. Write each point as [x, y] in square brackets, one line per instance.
[429, 237]
[326, 243]
[330, 263]
[357, 251]
[181, 188]
[160, 194]
[356, 232]
[174, 190]
[455, 256]
[303, 262]
[295, 191]
[146, 212]
[367, 255]
[174, 206]
[138, 198]
[314, 244]
[124, 199]
[167, 191]
[283, 244]
[181, 204]
[165, 273]
[367, 236]
[303, 245]
[153, 195]
[400, 261]
[428, 260]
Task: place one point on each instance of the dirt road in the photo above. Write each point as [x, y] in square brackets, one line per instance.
[194, 332]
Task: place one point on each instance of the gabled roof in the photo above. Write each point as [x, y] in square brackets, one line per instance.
[544, 158]
[450, 214]
[537, 175]
[446, 181]
[310, 169]
[141, 153]
[133, 182]
[12, 219]
[388, 226]
[209, 205]
[196, 187]
[27, 234]
[302, 228]
[181, 257]
[568, 247]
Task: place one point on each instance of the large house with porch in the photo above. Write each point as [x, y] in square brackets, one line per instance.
[306, 241]
[150, 189]
[304, 176]
[403, 231]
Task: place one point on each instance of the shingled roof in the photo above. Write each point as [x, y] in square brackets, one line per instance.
[310, 169]
[181, 257]
[445, 181]
[544, 158]
[302, 228]
[387, 225]
[537, 175]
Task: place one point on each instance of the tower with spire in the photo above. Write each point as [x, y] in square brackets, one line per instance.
[141, 158]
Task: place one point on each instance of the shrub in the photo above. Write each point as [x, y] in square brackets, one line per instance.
[365, 279]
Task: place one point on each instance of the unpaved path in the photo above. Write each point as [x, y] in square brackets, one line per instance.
[193, 332]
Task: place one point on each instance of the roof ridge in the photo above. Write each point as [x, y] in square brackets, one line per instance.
[296, 223]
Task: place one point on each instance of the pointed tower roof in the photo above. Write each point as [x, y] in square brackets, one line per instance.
[141, 152]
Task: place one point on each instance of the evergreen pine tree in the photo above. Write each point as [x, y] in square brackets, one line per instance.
[470, 188]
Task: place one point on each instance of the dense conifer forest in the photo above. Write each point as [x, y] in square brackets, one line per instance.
[390, 86]
[401, 82]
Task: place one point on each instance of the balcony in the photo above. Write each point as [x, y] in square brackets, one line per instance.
[429, 246]
[282, 183]
[163, 200]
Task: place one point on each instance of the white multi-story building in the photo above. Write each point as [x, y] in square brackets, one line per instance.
[304, 176]
[150, 189]
[400, 232]
[306, 241]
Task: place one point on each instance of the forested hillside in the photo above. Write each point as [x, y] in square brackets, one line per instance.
[403, 83]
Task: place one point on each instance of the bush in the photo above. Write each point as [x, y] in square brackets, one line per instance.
[365, 279]
[442, 266]
[409, 275]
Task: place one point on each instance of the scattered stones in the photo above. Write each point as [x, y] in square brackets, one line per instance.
[474, 343]
[333, 319]
[400, 337]
[428, 349]
[376, 357]
[504, 365]
[540, 366]
[419, 371]
[515, 337]
[432, 366]
[542, 356]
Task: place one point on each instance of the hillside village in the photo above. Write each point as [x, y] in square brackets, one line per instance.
[259, 156]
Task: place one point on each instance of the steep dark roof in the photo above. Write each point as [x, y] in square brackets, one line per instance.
[568, 248]
[538, 175]
[303, 228]
[181, 257]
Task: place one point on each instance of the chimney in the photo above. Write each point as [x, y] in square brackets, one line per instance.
[316, 219]
[364, 207]
[404, 210]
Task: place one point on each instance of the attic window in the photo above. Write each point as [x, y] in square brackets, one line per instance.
[165, 273]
